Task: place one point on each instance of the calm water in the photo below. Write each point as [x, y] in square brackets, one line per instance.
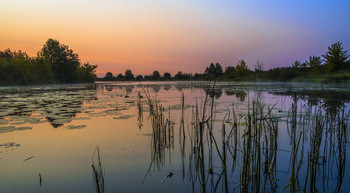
[273, 133]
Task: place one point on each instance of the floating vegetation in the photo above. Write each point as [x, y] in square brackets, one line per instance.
[9, 145]
[124, 117]
[217, 137]
[75, 126]
[6, 129]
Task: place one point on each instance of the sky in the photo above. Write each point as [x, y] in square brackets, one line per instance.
[177, 35]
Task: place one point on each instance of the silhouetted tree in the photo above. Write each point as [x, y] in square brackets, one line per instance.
[109, 76]
[119, 77]
[230, 72]
[314, 63]
[64, 61]
[87, 73]
[156, 75]
[178, 76]
[167, 76]
[214, 70]
[139, 77]
[241, 69]
[218, 70]
[128, 75]
[210, 69]
[296, 64]
[18, 68]
[259, 66]
[335, 58]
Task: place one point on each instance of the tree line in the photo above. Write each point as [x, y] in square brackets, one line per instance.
[54, 63]
[333, 66]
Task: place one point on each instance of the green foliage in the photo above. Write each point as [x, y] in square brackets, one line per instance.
[86, 73]
[230, 72]
[54, 63]
[241, 69]
[19, 68]
[214, 70]
[64, 61]
[335, 58]
[296, 64]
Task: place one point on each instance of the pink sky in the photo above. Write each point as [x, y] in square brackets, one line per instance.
[169, 36]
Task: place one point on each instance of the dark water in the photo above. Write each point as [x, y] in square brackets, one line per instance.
[234, 137]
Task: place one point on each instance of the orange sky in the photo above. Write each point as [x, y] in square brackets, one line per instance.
[155, 35]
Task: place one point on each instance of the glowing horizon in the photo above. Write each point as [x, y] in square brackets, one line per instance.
[179, 35]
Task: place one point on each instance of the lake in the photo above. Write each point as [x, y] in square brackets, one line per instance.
[175, 137]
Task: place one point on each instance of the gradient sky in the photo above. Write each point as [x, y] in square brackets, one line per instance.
[169, 36]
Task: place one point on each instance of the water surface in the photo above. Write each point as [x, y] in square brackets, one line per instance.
[273, 133]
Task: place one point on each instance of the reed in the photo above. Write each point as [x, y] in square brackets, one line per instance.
[97, 171]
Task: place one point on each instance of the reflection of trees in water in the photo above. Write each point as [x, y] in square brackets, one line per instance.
[217, 92]
[128, 89]
[156, 88]
[167, 87]
[58, 106]
[178, 87]
[323, 145]
[331, 101]
[247, 149]
[63, 108]
[109, 88]
[240, 94]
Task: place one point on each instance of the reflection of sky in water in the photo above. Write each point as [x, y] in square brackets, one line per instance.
[61, 128]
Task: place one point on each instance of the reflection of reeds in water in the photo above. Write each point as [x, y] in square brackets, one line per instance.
[140, 111]
[247, 147]
[326, 152]
[97, 171]
[162, 133]
[259, 149]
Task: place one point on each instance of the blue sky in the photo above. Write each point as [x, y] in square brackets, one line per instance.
[144, 35]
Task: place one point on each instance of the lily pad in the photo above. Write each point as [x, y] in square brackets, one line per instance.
[75, 126]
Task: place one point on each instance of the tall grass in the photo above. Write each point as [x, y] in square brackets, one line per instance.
[97, 171]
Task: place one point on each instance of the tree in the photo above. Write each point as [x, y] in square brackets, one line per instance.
[156, 75]
[336, 58]
[296, 64]
[218, 70]
[18, 68]
[314, 61]
[64, 61]
[109, 76]
[210, 69]
[259, 66]
[241, 68]
[178, 76]
[119, 77]
[87, 73]
[230, 72]
[139, 77]
[167, 76]
[128, 75]
[213, 70]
